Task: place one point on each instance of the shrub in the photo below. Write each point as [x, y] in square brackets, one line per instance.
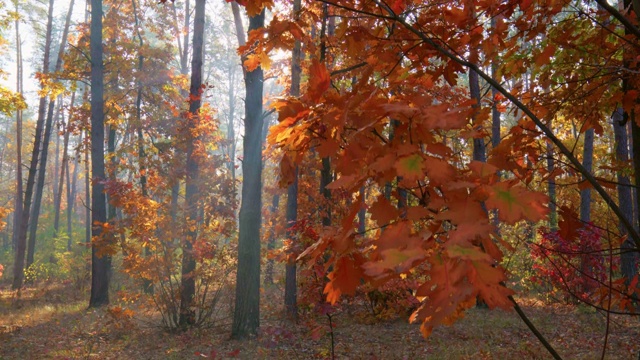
[571, 269]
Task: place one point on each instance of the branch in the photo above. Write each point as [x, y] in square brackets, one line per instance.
[350, 68]
[534, 330]
[613, 11]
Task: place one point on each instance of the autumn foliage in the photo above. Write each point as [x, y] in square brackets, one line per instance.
[572, 269]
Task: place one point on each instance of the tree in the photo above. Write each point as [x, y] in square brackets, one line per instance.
[100, 257]
[246, 316]
[48, 128]
[187, 291]
[291, 283]
[21, 245]
[18, 205]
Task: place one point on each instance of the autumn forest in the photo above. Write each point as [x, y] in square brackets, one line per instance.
[319, 179]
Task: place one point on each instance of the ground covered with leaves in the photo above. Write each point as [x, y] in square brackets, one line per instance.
[53, 322]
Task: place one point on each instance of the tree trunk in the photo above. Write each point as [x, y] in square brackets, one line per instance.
[187, 292]
[71, 196]
[17, 213]
[479, 147]
[291, 284]
[33, 226]
[142, 156]
[628, 257]
[100, 262]
[21, 243]
[271, 243]
[87, 194]
[551, 188]
[587, 162]
[246, 317]
[64, 169]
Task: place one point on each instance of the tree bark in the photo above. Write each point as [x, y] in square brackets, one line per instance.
[100, 262]
[246, 317]
[187, 293]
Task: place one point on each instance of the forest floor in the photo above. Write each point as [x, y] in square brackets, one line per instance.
[53, 322]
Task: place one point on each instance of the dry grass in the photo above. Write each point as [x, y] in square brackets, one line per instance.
[52, 322]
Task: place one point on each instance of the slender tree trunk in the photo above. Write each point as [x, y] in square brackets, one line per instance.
[40, 184]
[291, 284]
[21, 246]
[56, 163]
[325, 172]
[479, 147]
[495, 123]
[628, 257]
[587, 162]
[63, 170]
[246, 316]
[187, 293]
[17, 213]
[100, 262]
[271, 243]
[33, 226]
[142, 156]
[71, 197]
[87, 194]
[362, 213]
[585, 200]
[551, 188]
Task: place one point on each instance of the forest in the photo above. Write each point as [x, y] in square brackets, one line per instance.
[319, 179]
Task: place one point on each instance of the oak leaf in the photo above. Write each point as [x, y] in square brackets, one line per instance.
[515, 203]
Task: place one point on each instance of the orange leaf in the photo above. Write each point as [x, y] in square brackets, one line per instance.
[515, 203]
[382, 212]
[251, 62]
[344, 279]
[396, 260]
[545, 56]
[319, 80]
[411, 168]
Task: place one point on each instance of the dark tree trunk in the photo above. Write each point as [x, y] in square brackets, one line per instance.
[188, 289]
[100, 262]
[271, 243]
[551, 188]
[21, 243]
[479, 147]
[246, 316]
[325, 172]
[39, 189]
[587, 162]
[291, 284]
[628, 254]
